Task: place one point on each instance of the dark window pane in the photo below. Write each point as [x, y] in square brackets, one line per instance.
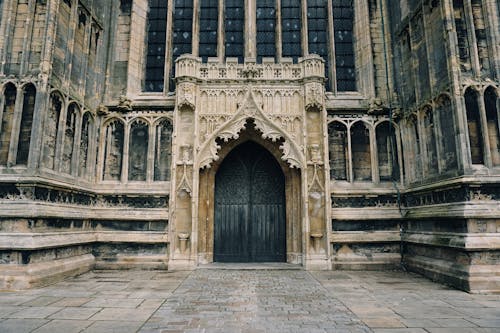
[317, 27]
[155, 58]
[182, 34]
[291, 29]
[343, 19]
[208, 28]
[266, 25]
[234, 17]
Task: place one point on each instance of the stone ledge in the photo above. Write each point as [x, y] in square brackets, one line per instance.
[376, 261]
[364, 236]
[470, 241]
[471, 278]
[368, 213]
[152, 262]
[477, 209]
[35, 241]
[17, 277]
[31, 209]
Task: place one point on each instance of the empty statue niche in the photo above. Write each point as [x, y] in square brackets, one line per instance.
[23, 145]
[138, 150]
[361, 156]
[51, 129]
[113, 150]
[9, 103]
[474, 126]
[447, 143]
[491, 106]
[481, 36]
[338, 150]
[387, 151]
[163, 150]
[69, 138]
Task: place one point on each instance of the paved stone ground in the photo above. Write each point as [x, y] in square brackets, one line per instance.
[221, 300]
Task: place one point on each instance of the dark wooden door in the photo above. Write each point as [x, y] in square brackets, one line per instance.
[249, 207]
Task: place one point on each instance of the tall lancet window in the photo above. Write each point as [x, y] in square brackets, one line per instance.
[182, 34]
[317, 30]
[266, 29]
[234, 18]
[155, 57]
[343, 22]
[209, 14]
[291, 24]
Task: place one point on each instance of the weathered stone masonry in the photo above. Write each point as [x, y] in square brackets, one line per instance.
[384, 117]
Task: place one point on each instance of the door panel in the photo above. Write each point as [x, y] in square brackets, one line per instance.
[249, 207]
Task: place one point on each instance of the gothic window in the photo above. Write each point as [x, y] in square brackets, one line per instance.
[209, 23]
[388, 164]
[491, 106]
[182, 34]
[85, 137]
[462, 34]
[23, 144]
[481, 35]
[432, 162]
[234, 17]
[360, 148]
[266, 25]
[156, 39]
[113, 150]
[447, 129]
[291, 23]
[163, 150]
[474, 126]
[9, 102]
[69, 138]
[343, 21]
[138, 151]
[338, 150]
[51, 129]
[317, 30]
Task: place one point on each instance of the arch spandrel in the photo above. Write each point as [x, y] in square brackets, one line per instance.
[231, 128]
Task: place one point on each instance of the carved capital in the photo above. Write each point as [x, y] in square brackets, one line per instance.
[315, 97]
[186, 96]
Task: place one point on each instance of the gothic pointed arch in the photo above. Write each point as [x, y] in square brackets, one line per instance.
[230, 129]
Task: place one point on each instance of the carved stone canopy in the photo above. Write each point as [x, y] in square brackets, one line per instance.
[249, 110]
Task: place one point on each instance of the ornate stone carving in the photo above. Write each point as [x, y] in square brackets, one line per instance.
[186, 96]
[315, 97]
[231, 128]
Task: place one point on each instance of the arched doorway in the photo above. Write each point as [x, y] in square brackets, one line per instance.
[249, 207]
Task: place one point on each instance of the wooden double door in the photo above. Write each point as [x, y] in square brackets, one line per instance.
[249, 207]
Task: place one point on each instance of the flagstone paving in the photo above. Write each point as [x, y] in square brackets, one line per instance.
[242, 300]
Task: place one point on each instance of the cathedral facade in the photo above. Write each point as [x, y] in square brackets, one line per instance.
[329, 134]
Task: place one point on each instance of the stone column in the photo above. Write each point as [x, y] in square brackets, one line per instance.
[314, 173]
[183, 188]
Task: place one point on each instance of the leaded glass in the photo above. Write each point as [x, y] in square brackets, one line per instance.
[234, 16]
[155, 57]
[343, 20]
[266, 25]
[291, 29]
[317, 30]
[182, 34]
[208, 28]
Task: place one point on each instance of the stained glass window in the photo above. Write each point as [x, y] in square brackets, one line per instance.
[155, 57]
[343, 20]
[266, 29]
[234, 17]
[182, 34]
[209, 14]
[317, 30]
[291, 29]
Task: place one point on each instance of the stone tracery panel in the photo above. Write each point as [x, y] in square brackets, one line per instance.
[23, 145]
[9, 101]
[87, 130]
[69, 138]
[361, 155]
[491, 106]
[138, 150]
[113, 150]
[51, 129]
[163, 150]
